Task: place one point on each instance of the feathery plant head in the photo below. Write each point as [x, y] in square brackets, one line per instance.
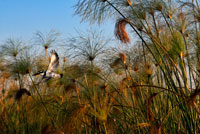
[120, 31]
[12, 47]
[87, 47]
[193, 9]
[136, 13]
[23, 65]
[177, 46]
[123, 58]
[47, 40]
[99, 10]
[40, 63]
[128, 2]
[86, 9]
[155, 5]
[181, 22]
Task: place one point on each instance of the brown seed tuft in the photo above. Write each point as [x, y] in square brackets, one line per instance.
[181, 55]
[169, 15]
[148, 66]
[159, 6]
[135, 69]
[64, 59]
[128, 2]
[120, 31]
[148, 70]
[187, 34]
[123, 58]
[159, 30]
[181, 16]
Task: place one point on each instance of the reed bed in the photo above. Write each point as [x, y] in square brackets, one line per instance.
[149, 85]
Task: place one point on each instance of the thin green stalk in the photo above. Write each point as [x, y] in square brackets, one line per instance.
[188, 61]
[52, 120]
[143, 49]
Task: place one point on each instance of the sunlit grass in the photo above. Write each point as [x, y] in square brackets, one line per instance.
[147, 86]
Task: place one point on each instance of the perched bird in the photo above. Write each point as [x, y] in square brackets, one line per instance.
[50, 72]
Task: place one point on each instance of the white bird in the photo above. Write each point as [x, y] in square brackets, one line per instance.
[50, 72]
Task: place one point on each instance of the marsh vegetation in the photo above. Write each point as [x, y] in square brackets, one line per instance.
[147, 84]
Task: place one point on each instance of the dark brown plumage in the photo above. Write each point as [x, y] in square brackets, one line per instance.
[21, 92]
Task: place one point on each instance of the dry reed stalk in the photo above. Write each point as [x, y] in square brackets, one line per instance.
[155, 130]
[140, 125]
[17, 108]
[77, 93]
[123, 84]
[150, 114]
[64, 59]
[120, 31]
[45, 48]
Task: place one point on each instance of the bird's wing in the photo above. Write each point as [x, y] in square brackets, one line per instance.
[54, 61]
[40, 73]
